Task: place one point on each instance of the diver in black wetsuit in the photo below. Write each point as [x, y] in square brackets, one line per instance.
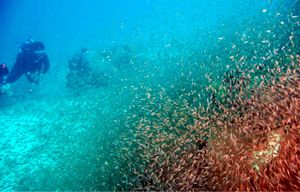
[32, 61]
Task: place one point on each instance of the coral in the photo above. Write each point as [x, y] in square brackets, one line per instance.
[119, 56]
[258, 150]
[247, 142]
[82, 75]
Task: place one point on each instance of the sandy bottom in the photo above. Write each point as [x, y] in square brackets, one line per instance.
[52, 144]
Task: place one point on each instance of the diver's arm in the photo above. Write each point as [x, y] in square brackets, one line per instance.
[46, 64]
[17, 69]
[35, 74]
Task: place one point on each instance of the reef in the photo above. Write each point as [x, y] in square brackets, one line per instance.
[255, 146]
[248, 144]
[120, 57]
[94, 68]
[217, 112]
[244, 137]
[82, 75]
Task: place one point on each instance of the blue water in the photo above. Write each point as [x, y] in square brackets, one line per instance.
[65, 26]
[56, 138]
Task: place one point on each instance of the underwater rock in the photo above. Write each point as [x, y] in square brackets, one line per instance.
[118, 56]
[5, 90]
[82, 75]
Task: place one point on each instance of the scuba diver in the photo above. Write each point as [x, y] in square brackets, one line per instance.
[32, 61]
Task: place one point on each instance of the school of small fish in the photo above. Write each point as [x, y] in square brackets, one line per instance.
[234, 130]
